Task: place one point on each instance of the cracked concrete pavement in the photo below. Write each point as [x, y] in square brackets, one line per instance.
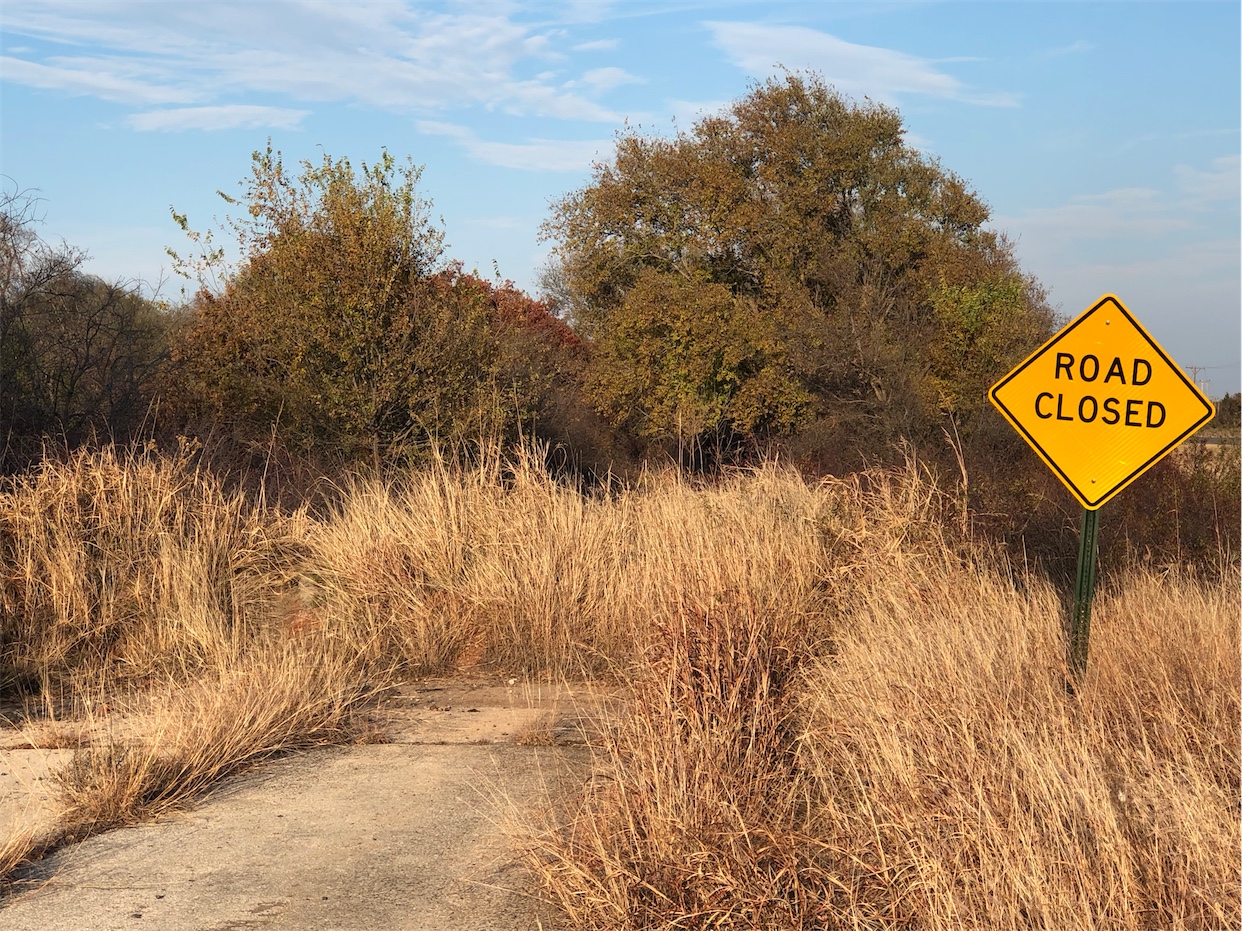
[407, 835]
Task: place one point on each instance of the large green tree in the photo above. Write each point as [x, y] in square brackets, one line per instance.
[340, 327]
[791, 266]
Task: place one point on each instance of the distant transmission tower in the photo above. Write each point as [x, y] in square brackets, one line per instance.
[1205, 384]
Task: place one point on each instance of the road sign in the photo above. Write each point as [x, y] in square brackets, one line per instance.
[1101, 402]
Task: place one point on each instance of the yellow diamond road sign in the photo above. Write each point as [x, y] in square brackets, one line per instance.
[1101, 402]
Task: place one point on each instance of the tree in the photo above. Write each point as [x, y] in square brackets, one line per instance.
[340, 328]
[1228, 411]
[684, 358]
[79, 356]
[791, 266]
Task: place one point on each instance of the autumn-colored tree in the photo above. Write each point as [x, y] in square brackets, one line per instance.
[686, 357]
[978, 332]
[340, 327]
[791, 265]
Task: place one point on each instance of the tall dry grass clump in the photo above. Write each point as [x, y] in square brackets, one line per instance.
[697, 816]
[502, 564]
[922, 763]
[965, 788]
[153, 615]
[122, 568]
[162, 749]
[293, 696]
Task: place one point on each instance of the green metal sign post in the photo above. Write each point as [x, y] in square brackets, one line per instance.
[1084, 590]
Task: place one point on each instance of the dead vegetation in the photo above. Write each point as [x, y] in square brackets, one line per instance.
[842, 711]
[269, 702]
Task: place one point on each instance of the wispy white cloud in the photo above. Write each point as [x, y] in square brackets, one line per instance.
[97, 78]
[598, 45]
[1124, 212]
[915, 141]
[1178, 266]
[588, 11]
[1156, 244]
[398, 57]
[1129, 215]
[1219, 184]
[1145, 139]
[1178, 291]
[531, 155]
[603, 80]
[237, 116]
[858, 70]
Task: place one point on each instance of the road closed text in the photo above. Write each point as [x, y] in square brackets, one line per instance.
[1087, 408]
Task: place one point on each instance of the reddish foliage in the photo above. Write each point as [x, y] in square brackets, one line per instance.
[509, 306]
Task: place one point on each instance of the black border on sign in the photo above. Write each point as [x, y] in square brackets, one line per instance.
[1092, 504]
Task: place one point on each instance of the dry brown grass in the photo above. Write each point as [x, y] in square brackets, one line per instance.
[926, 766]
[122, 570]
[270, 702]
[959, 785]
[501, 564]
[174, 743]
[697, 812]
[19, 847]
[152, 615]
[843, 713]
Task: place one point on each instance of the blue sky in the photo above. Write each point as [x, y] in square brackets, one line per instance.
[1104, 136]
